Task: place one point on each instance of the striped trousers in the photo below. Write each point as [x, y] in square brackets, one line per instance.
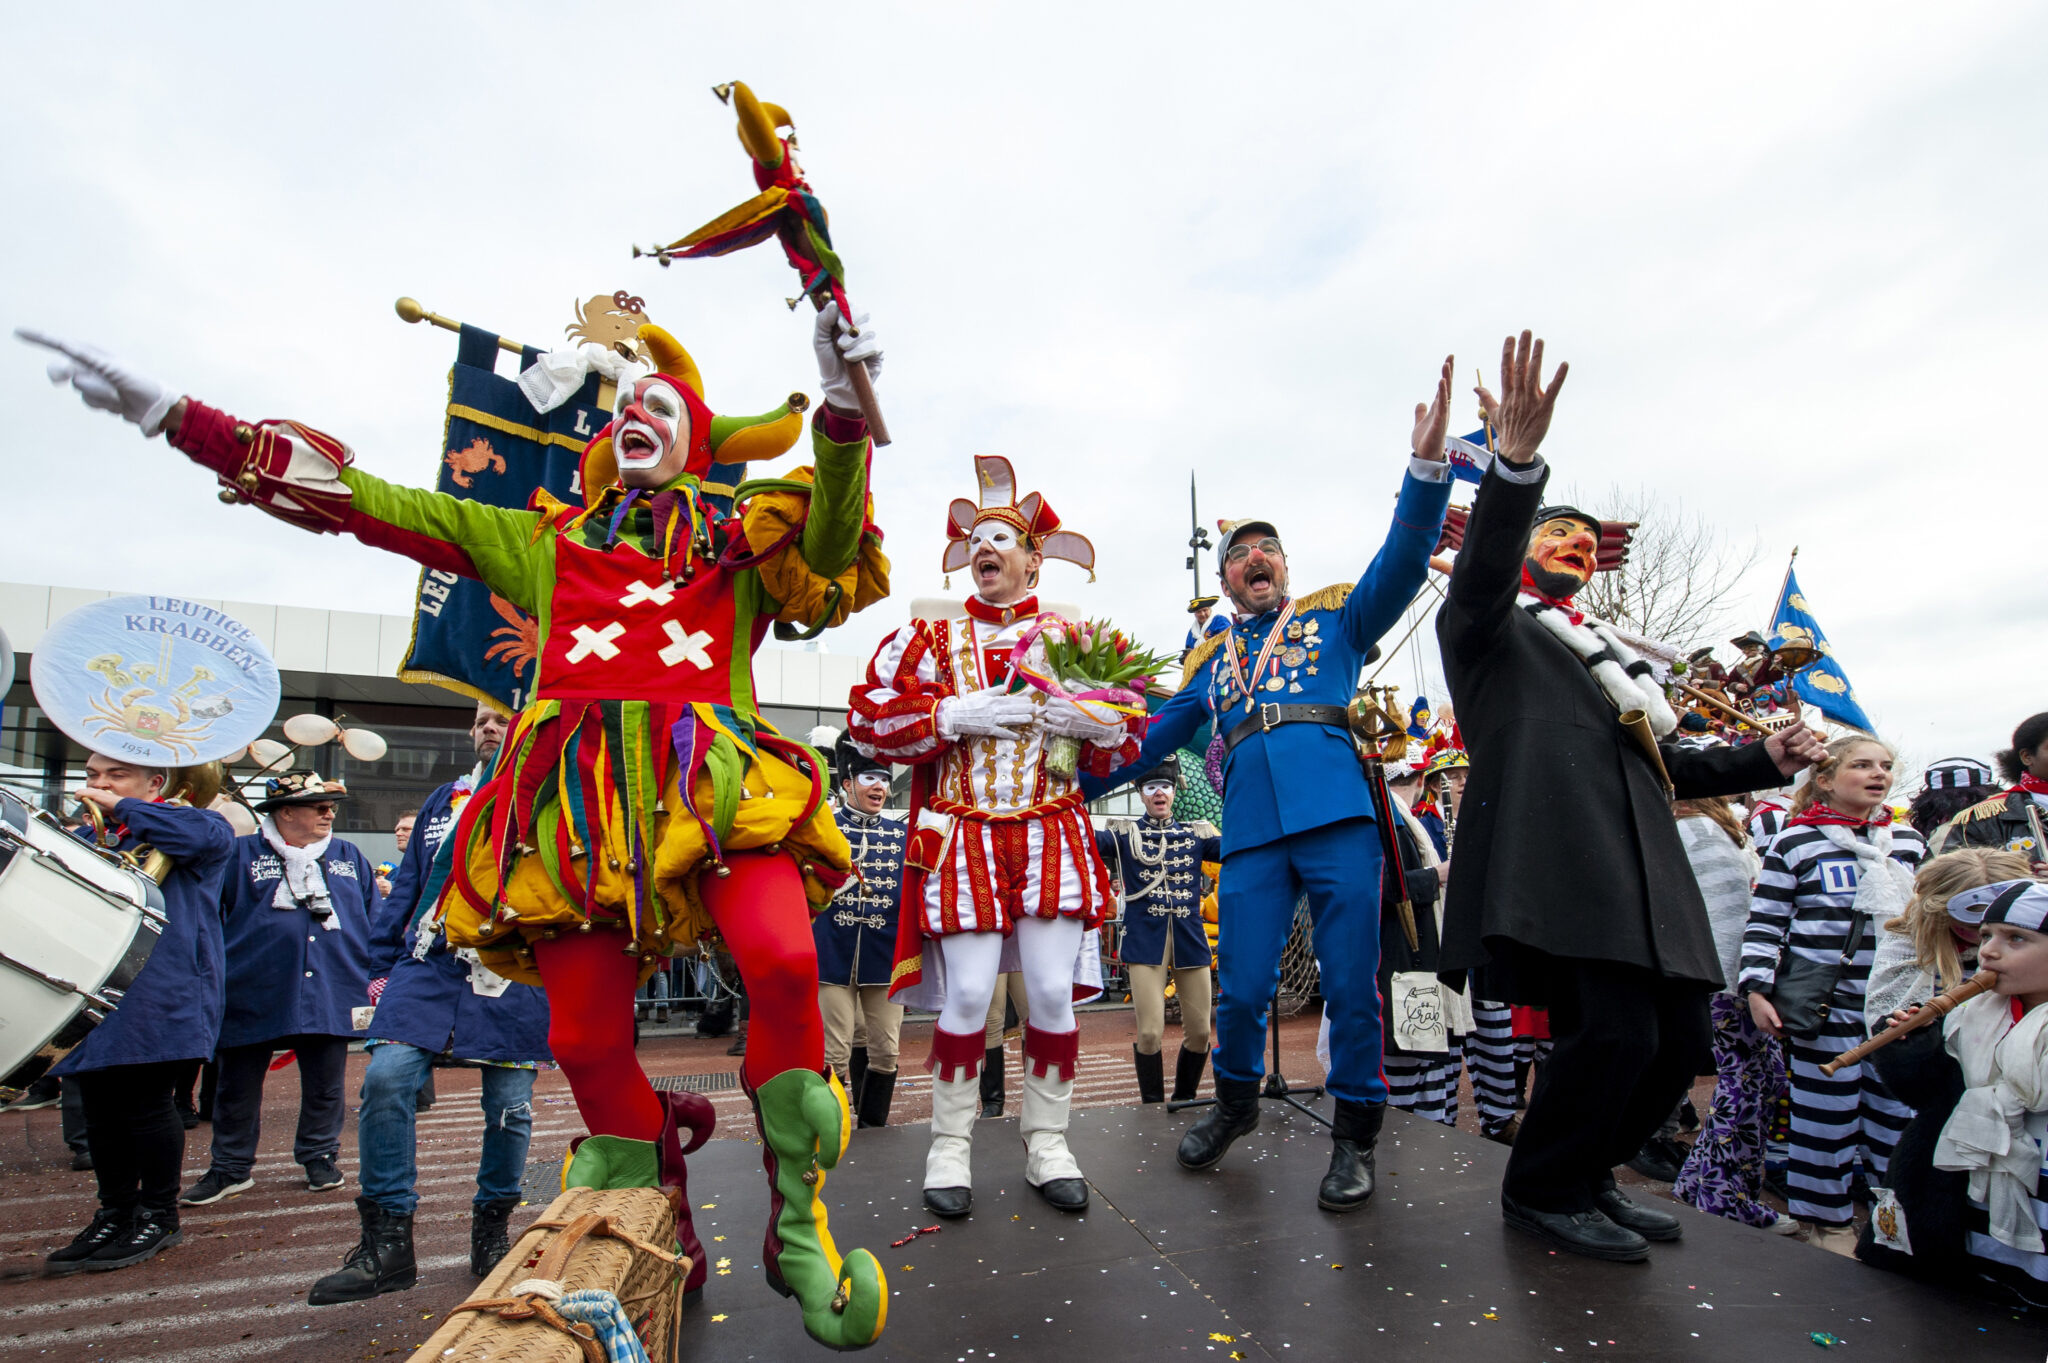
[1490, 1052]
[1834, 1119]
[1426, 1085]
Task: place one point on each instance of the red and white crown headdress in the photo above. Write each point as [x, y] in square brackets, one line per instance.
[1030, 516]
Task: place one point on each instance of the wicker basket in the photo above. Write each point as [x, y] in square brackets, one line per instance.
[620, 1240]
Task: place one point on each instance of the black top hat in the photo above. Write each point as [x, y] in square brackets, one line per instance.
[1167, 770]
[299, 788]
[1201, 603]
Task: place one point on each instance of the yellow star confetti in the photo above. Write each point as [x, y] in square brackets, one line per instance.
[706, 1206]
[1237, 1353]
[1223, 1339]
[1492, 1316]
[725, 1273]
[718, 1237]
[718, 1318]
[725, 1263]
[1336, 1265]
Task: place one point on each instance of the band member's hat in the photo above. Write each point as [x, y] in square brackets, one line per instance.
[1201, 603]
[1450, 759]
[1167, 770]
[850, 762]
[299, 788]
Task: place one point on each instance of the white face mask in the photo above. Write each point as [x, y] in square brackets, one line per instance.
[871, 781]
[1152, 788]
[995, 534]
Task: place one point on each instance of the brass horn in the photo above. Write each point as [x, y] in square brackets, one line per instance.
[1637, 722]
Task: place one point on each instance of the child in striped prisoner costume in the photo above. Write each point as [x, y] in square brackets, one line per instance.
[1838, 859]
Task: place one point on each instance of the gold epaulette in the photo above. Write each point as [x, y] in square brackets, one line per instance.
[1328, 599]
[1988, 809]
[1199, 654]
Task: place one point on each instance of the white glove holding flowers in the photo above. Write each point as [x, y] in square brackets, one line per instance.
[1091, 721]
[989, 713]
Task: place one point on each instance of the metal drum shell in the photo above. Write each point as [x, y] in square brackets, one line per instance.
[76, 928]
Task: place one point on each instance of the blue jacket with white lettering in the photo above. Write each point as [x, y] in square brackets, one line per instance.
[289, 972]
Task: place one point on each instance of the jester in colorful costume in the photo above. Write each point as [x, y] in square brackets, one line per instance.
[640, 801]
[1002, 872]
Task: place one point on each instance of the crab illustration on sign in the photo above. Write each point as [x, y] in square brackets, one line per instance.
[518, 639]
[478, 457]
[153, 713]
[610, 321]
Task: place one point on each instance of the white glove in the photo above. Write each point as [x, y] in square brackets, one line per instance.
[104, 382]
[1078, 721]
[989, 713]
[836, 343]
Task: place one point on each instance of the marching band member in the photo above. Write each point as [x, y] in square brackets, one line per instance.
[856, 936]
[434, 1001]
[1002, 871]
[642, 797]
[1617, 945]
[1297, 814]
[128, 1067]
[295, 911]
[1160, 862]
[1206, 622]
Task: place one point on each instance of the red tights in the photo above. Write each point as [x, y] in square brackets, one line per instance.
[761, 912]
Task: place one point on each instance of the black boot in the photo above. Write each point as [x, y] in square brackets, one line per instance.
[856, 1075]
[992, 1082]
[1349, 1183]
[1236, 1114]
[381, 1261]
[715, 1021]
[875, 1097]
[1187, 1073]
[1151, 1075]
[489, 1239]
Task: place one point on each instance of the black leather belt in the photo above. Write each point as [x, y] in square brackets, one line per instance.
[1268, 717]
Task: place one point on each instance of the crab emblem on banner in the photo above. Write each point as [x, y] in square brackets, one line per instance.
[160, 680]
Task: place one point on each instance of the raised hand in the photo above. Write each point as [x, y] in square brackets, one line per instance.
[1433, 419]
[104, 382]
[838, 343]
[1521, 416]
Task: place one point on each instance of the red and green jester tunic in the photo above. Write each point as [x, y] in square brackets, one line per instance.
[641, 801]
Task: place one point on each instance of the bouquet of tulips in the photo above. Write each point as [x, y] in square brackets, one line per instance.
[1093, 662]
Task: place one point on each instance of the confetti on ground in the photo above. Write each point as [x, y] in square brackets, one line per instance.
[921, 1230]
[717, 1319]
[1824, 1339]
[1222, 1338]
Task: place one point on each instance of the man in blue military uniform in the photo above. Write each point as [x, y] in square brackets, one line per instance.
[1204, 623]
[856, 937]
[433, 1003]
[1159, 870]
[295, 909]
[1297, 815]
[127, 1068]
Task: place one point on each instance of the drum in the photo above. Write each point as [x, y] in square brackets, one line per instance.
[76, 927]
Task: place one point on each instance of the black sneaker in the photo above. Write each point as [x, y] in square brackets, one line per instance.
[42, 1093]
[188, 1117]
[106, 1224]
[214, 1187]
[146, 1234]
[81, 1161]
[321, 1174]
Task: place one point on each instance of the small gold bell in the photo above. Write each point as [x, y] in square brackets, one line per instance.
[245, 435]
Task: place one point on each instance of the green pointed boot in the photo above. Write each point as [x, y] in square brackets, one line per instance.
[618, 1162]
[805, 1125]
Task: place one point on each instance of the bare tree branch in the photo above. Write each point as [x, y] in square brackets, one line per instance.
[1680, 582]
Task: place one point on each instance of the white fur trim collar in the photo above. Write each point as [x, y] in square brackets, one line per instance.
[1628, 681]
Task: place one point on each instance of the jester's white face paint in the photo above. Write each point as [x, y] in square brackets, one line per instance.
[1004, 569]
[651, 432]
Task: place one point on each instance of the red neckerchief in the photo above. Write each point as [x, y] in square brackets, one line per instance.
[1001, 615]
[2030, 784]
[1817, 814]
[1529, 588]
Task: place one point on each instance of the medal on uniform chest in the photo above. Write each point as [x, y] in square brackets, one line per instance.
[1293, 656]
[1294, 630]
[1275, 683]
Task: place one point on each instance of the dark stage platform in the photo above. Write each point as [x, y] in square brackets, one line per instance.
[1239, 1263]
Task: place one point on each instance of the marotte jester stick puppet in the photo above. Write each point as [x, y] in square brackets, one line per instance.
[787, 210]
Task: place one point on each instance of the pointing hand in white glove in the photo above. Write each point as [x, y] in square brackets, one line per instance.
[989, 713]
[104, 382]
[837, 343]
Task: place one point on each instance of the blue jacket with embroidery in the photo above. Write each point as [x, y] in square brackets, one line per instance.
[173, 1010]
[1296, 777]
[428, 1002]
[856, 932]
[287, 974]
[1168, 857]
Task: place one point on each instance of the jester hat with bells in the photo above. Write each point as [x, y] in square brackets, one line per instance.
[1031, 517]
[713, 439]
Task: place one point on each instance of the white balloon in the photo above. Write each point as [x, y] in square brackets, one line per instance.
[268, 752]
[233, 757]
[310, 730]
[238, 816]
[363, 745]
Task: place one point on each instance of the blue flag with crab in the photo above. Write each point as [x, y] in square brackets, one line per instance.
[1822, 684]
[496, 448]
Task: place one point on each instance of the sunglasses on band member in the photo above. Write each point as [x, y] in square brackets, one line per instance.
[1239, 552]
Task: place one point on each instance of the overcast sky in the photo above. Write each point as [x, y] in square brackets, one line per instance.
[1792, 253]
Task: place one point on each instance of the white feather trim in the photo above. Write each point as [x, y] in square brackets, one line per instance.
[1616, 672]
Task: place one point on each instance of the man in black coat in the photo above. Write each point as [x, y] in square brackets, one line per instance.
[1571, 888]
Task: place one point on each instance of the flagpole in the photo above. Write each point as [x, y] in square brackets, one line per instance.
[1788, 577]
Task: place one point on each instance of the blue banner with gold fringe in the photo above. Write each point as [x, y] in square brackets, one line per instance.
[1822, 684]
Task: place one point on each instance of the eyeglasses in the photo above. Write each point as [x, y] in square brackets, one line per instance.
[1239, 552]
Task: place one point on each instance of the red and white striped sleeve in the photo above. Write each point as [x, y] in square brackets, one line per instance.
[893, 712]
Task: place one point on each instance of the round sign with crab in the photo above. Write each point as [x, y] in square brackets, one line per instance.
[163, 681]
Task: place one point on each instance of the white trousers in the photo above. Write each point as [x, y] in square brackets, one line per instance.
[1046, 948]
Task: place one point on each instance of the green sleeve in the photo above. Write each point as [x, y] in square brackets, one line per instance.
[839, 499]
[499, 546]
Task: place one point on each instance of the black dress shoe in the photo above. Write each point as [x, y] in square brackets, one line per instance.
[1067, 1194]
[1352, 1175]
[949, 1201]
[1236, 1114]
[1647, 1222]
[1589, 1233]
